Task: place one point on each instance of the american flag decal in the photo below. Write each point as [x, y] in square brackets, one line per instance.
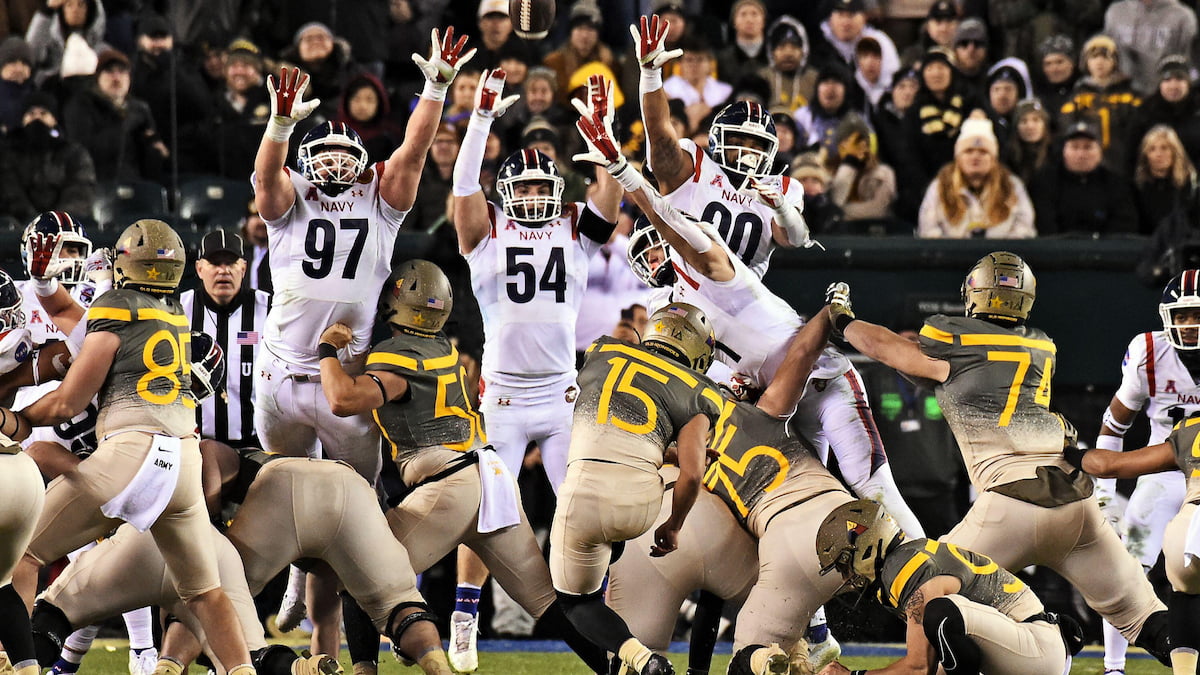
[1005, 280]
[678, 311]
[435, 303]
[247, 337]
[166, 253]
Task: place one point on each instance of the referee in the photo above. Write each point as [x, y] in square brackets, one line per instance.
[235, 315]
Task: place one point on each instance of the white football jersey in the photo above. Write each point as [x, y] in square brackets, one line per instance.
[530, 283]
[330, 257]
[1152, 373]
[41, 328]
[753, 326]
[744, 222]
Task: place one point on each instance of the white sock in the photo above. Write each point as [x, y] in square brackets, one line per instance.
[138, 624]
[78, 643]
[1115, 646]
[818, 617]
[296, 579]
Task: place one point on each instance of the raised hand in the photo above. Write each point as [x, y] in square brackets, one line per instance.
[839, 292]
[98, 266]
[837, 296]
[648, 39]
[595, 125]
[766, 193]
[44, 262]
[444, 62]
[488, 101]
[287, 104]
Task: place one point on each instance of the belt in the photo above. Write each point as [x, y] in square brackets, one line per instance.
[305, 378]
[470, 459]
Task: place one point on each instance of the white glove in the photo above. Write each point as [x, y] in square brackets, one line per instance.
[648, 38]
[287, 106]
[444, 62]
[99, 267]
[488, 103]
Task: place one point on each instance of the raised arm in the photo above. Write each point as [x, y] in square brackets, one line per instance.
[83, 380]
[884, 346]
[671, 164]
[273, 192]
[695, 245]
[471, 219]
[353, 395]
[44, 270]
[403, 169]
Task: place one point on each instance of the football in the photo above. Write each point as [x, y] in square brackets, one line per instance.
[531, 19]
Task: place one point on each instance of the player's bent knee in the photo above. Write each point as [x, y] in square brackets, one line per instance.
[50, 629]
[401, 619]
[947, 633]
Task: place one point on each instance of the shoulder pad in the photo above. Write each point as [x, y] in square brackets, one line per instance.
[16, 346]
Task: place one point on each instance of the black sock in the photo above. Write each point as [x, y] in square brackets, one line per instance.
[362, 640]
[704, 631]
[595, 620]
[947, 633]
[1184, 626]
[594, 656]
[1154, 637]
[16, 632]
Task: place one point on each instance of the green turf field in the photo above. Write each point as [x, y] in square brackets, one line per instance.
[110, 657]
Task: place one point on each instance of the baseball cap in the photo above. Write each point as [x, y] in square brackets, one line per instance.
[154, 25]
[943, 9]
[221, 242]
[848, 6]
[244, 50]
[493, 7]
[1084, 129]
[971, 30]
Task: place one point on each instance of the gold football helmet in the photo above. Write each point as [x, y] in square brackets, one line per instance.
[854, 539]
[419, 297]
[682, 332]
[149, 257]
[1000, 287]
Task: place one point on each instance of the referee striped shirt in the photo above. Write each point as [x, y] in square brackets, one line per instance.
[238, 328]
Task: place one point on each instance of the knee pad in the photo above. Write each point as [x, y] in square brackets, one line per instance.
[740, 663]
[395, 634]
[50, 629]
[947, 633]
[273, 660]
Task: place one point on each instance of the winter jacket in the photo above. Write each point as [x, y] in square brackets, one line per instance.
[934, 224]
[834, 48]
[790, 91]
[1157, 198]
[1182, 116]
[1070, 203]
[47, 39]
[876, 190]
[1112, 105]
[118, 139]
[34, 177]
[381, 135]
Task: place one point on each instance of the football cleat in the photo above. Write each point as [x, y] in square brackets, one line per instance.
[824, 653]
[320, 664]
[291, 611]
[463, 655]
[143, 661]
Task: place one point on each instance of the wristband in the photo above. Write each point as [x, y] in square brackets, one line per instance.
[840, 322]
[278, 131]
[45, 288]
[326, 351]
[1110, 420]
[626, 175]
[651, 80]
[435, 91]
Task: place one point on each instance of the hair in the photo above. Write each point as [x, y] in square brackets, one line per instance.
[1182, 172]
[998, 197]
[1022, 155]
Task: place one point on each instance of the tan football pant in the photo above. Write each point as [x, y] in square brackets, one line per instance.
[435, 518]
[599, 503]
[1074, 540]
[715, 554]
[1183, 579]
[23, 495]
[307, 508]
[790, 586]
[1009, 647]
[127, 571]
[71, 516]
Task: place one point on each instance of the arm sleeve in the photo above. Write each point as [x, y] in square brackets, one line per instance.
[470, 156]
[593, 225]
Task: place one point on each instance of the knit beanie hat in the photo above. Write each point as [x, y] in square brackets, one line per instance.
[976, 133]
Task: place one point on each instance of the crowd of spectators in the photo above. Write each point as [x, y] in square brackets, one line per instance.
[961, 119]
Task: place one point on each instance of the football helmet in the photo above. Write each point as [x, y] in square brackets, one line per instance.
[332, 156]
[1000, 288]
[208, 366]
[854, 539]
[1182, 292]
[70, 238]
[12, 307]
[149, 258]
[683, 333]
[733, 128]
[530, 166]
[418, 297]
[644, 241]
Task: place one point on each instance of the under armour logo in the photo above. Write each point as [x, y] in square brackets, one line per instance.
[264, 374]
[358, 193]
[504, 401]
